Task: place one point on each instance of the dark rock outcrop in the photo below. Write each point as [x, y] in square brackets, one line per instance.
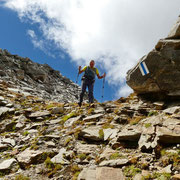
[24, 75]
[163, 64]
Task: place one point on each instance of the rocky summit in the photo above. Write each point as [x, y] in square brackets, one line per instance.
[30, 78]
[163, 64]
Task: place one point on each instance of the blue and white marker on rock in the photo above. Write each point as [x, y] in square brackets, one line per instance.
[143, 68]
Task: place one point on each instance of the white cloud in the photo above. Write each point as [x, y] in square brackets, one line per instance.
[116, 33]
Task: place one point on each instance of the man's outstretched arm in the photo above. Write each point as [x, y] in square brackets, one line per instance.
[100, 77]
[81, 70]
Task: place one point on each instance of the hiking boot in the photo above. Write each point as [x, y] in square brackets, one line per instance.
[79, 103]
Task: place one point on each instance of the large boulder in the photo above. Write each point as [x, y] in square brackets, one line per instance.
[163, 64]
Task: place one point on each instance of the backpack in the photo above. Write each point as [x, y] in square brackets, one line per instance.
[90, 73]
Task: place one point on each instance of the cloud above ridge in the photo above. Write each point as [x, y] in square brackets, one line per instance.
[116, 33]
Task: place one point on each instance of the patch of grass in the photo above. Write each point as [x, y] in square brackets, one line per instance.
[152, 113]
[75, 171]
[147, 125]
[115, 155]
[48, 163]
[107, 125]
[82, 156]
[25, 133]
[101, 134]
[169, 157]
[131, 171]
[91, 111]
[67, 141]
[158, 176]
[24, 147]
[68, 116]
[21, 177]
[135, 120]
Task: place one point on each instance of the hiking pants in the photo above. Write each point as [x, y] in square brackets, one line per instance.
[90, 85]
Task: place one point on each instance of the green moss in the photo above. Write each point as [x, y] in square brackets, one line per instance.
[49, 164]
[135, 120]
[75, 176]
[131, 171]
[68, 116]
[147, 125]
[107, 125]
[67, 141]
[115, 155]
[158, 176]
[169, 157]
[91, 111]
[25, 133]
[101, 134]
[75, 171]
[82, 156]
[152, 113]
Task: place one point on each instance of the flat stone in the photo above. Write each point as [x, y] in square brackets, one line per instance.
[107, 153]
[50, 144]
[59, 158]
[166, 135]
[167, 169]
[86, 148]
[175, 31]
[146, 142]
[91, 133]
[9, 141]
[87, 174]
[176, 177]
[28, 156]
[71, 121]
[159, 105]
[114, 163]
[52, 136]
[3, 147]
[39, 114]
[107, 173]
[7, 164]
[110, 133]
[172, 110]
[57, 110]
[3, 110]
[2, 98]
[129, 135]
[93, 117]
[55, 121]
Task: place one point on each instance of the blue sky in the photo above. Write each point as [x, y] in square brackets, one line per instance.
[68, 33]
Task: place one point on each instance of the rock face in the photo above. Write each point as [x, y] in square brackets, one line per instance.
[163, 64]
[29, 78]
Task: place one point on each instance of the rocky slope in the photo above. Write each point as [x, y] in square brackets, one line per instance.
[130, 138]
[29, 78]
[163, 63]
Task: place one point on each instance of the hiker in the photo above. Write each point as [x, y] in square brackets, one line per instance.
[88, 80]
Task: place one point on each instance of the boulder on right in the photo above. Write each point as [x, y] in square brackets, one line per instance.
[159, 71]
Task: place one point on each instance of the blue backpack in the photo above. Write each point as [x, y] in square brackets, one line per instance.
[90, 73]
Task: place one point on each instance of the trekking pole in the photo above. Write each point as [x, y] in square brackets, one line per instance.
[77, 78]
[103, 89]
[77, 84]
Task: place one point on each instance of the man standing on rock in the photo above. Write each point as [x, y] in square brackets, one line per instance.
[88, 80]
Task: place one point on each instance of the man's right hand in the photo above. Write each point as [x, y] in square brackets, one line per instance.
[79, 68]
